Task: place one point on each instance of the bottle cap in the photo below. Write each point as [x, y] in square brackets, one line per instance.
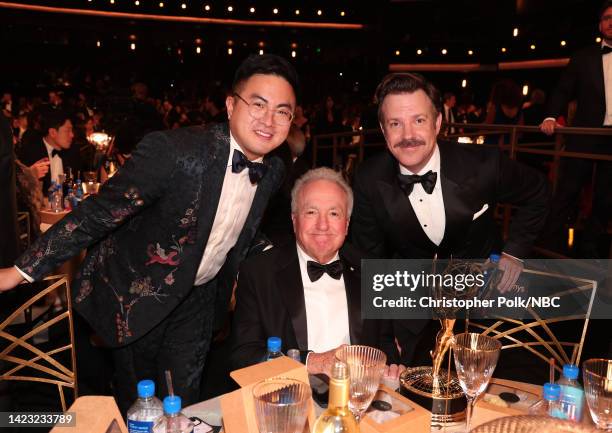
[494, 258]
[552, 391]
[274, 344]
[172, 404]
[570, 371]
[339, 371]
[146, 388]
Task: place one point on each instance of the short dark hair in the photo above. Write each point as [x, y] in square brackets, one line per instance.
[606, 4]
[406, 82]
[266, 64]
[51, 117]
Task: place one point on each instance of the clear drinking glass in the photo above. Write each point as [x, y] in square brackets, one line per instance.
[475, 360]
[597, 375]
[281, 405]
[366, 366]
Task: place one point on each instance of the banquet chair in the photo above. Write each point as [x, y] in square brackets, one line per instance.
[26, 360]
[560, 337]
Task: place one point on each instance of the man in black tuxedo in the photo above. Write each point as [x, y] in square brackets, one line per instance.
[53, 143]
[166, 234]
[449, 100]
[425, 198]
[588, 80]
[308, 292]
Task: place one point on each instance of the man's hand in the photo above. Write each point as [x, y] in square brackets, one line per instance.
[9, 278]
[322, 363]
[511, 268]
[40, 168]
[548, 126]
[393, 371]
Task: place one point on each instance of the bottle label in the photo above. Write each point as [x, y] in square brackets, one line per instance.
[140, 426]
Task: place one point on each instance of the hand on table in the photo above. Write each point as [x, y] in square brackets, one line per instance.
[322, 363]
[393, 371]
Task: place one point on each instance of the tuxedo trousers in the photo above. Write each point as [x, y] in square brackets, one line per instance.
[179, 343]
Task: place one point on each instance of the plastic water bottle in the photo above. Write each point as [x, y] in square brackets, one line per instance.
[294, 354]
[549, 405]
[572, 394]
[173, 421]
[146, 410]
[274, 348]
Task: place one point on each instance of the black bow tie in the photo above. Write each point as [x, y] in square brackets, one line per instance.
[56, 152]
[606, 49]
[257, 170]
[428, 181]
[316, 270]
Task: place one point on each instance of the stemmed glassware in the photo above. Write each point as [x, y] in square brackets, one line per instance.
[597, 375]
[366, 366]
[475, 360]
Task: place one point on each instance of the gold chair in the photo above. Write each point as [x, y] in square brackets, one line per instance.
[40, 366]
[539, 336]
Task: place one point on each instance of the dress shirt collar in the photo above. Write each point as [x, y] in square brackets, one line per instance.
[303, 257]
[433, 164]
[604, 44]
[49, 147]
[234, 145]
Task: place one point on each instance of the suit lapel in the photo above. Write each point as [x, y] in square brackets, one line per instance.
[352, 286]
[289, 283]
[215, 155]
[456, 197]
[399, 209]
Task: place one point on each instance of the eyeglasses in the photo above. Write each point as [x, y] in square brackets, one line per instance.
[257, 110]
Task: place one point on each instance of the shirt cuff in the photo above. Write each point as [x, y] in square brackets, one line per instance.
[515, 258]
[25, 276]
[549, 118]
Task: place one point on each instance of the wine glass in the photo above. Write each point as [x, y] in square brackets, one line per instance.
[366, 366]
[281, 405]
[597, 375]
[475, 360]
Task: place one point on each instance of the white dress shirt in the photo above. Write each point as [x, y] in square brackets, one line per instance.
[56, 167]
[326, 305]
[429, 208]
[607, 73]
[235, 202]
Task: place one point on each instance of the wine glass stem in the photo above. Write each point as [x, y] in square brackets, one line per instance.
[468, 413]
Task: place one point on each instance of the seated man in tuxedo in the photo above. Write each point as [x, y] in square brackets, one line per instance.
[426, 198]
[307, 293]
[53, 144]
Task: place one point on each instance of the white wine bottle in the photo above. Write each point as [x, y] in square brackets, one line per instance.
[337, 418]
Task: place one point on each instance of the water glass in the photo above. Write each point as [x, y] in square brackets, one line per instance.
[597, 375]
[281, 405]
[366, 366]
[475, 360]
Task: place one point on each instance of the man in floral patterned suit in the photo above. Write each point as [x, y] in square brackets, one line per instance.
[166, 234]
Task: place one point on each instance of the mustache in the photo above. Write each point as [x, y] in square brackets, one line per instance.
[410, 142]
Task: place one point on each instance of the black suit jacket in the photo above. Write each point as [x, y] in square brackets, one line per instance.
[146, 232]
[385, 225]
[270, 302]
[33, 149]
[583, 81]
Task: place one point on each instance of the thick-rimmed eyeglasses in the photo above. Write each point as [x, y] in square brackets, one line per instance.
[258, 109]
